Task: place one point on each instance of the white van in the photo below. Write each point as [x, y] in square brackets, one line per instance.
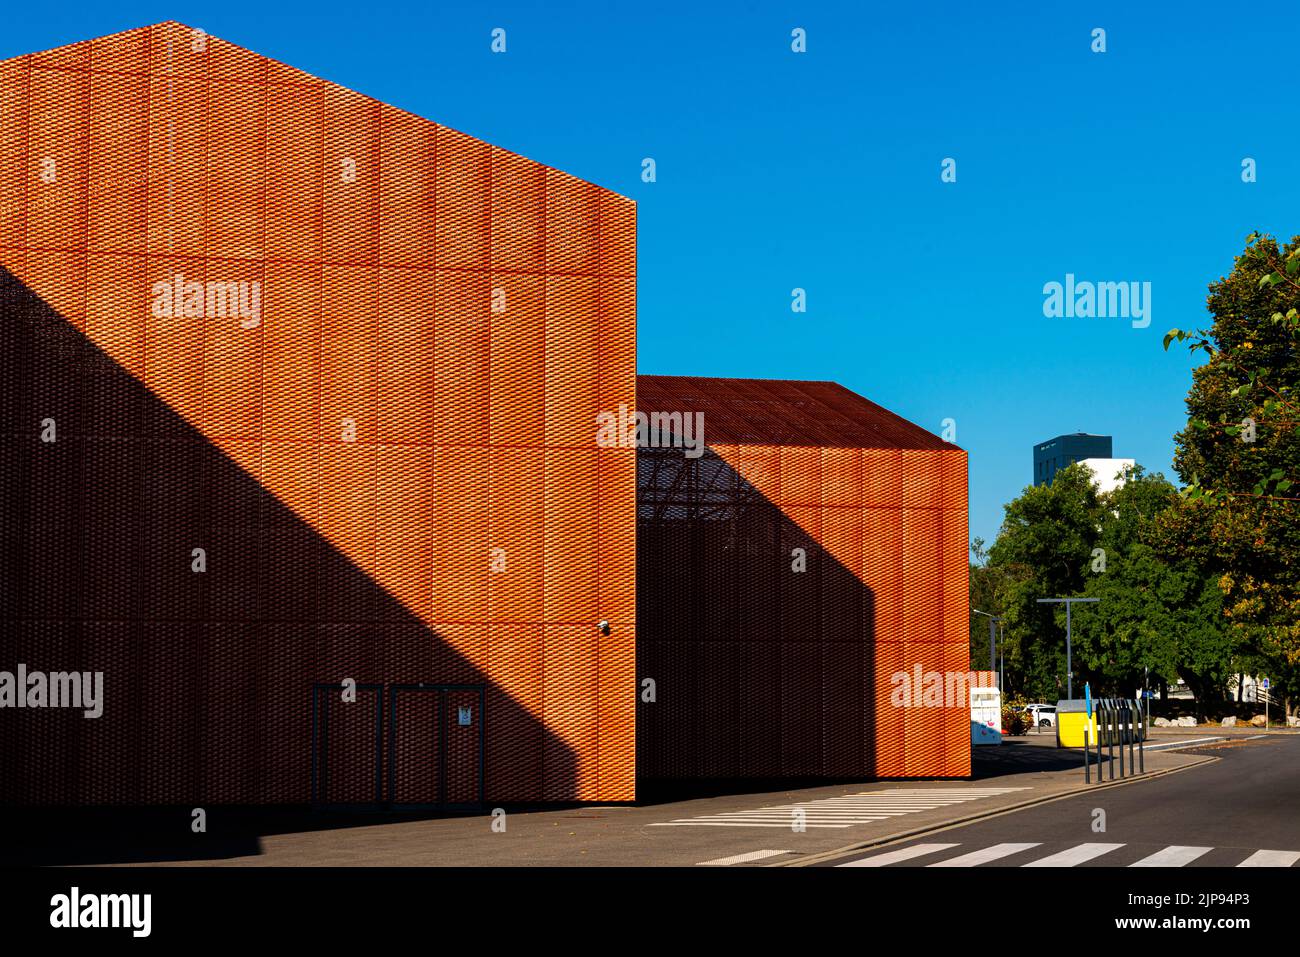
[1044, 715]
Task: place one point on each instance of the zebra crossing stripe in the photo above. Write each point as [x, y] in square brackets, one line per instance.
[742, 858]
[975, 858]
[1175, 855]
[902, 854]
[1271, 859]
[1074, 856]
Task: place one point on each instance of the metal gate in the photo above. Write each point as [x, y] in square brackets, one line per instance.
[435, 746]
[347, 741]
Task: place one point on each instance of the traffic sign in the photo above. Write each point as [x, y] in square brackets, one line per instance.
[1265, 684]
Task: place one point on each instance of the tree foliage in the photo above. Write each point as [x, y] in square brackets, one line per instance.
[1159, 616]
[1193, 584]
[1240, 452]
[1043, 549]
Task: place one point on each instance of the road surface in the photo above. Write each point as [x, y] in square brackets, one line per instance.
[1237, 811]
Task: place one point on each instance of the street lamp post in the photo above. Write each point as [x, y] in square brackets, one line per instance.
[1002, 658]
[1069, 662]
[993, 623]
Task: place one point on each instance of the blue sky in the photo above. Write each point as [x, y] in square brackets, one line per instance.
[822, 171]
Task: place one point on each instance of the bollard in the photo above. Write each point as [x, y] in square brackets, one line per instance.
[1087, 750]
[1128, 740]
[1119, 721]
[1110, 743]
[1142, 764]
[1132, 734]
[1099, 746]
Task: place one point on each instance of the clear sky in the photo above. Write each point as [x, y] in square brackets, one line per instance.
[821, 170]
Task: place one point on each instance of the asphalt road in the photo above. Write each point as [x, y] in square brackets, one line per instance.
[1244, 803]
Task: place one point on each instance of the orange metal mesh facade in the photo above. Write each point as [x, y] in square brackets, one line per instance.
[393, 471]
[763, 669]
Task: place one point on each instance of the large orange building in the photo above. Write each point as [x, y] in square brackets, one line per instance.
[802, 582]
[387, 457]
[300, 453]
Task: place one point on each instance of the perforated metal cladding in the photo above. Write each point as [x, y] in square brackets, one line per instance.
[784, 412]
[787, 592]
[391, 468]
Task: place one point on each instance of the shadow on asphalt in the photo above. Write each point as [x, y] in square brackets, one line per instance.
[114, 835]
[1021, 757]
[650, 793]
[117, 835]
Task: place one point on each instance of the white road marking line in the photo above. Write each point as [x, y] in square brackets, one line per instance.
[1175, 855]
[903, 854]
[822, 819]
[791, 812]
[949, 792]
[810, 810]
[786, 825]
[1074, 856]
[741, 858]
[1271, 859]
[975, 858]
[844, 810]
[1180, 744]
[901, 798]
[858, 802]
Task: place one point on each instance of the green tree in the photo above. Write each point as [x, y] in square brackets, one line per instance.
[1239, 455]
[1044, 548]
[1155, 613]
[987, 583]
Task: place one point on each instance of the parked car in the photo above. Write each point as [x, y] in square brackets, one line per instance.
[1044, 714]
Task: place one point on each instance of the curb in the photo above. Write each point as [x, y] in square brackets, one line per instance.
[831, 855]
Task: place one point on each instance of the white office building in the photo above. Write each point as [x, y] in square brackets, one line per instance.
[1108, 474]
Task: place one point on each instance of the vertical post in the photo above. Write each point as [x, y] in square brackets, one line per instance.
[993, 664]
[1087, 750]
[1132, 733]
[1142, 763]
[1119, 727]
[1099, 744]
[1069, 661]
[1002, 658]
[1110, 743]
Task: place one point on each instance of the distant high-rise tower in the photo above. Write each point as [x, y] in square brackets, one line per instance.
[1064, 450]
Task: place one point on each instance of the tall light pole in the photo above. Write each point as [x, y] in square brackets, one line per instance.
[993, 623]
[1002, 657]
[1069, 663]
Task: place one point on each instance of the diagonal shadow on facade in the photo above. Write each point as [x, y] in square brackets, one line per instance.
[208, 677]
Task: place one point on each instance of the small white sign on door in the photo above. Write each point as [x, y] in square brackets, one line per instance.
[464, 717]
